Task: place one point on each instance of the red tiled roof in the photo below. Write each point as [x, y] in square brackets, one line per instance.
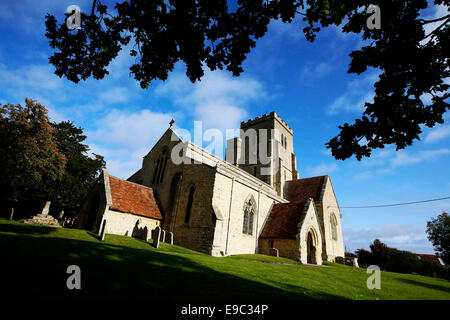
[133, 198]
[302, 189]
[283, 220]
[430, 257]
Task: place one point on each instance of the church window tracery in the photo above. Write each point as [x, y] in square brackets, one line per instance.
[249, 213]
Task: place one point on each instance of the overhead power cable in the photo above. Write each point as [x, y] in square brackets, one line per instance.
[393, 204]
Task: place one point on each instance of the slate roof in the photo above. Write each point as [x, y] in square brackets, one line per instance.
[129, 197]
[302, 189]
[283, 221]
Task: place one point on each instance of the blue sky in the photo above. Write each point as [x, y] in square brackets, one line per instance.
[307, 84]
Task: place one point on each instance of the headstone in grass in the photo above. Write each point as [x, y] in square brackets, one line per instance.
[103, 231]
[12, 214]
[163, 235]
[339, 260]
[156, 237]
[274, 252]
[170, 240]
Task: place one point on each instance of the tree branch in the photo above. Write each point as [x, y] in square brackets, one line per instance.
[434, 20]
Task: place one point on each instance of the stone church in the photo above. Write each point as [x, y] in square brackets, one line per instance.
[224, 207]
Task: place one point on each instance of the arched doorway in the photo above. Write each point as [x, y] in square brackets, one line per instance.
[311, 248]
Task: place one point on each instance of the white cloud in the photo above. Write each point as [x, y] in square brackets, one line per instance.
[133, 129]
[279, 31]
[363, 176]
[403, 237]
[322, 169]
[314, 72]
[350, 102]
[34, 76]
[402, 157]
[353, 100]
[115, 95]
[218, 100]
[124, 137]
[438, 133]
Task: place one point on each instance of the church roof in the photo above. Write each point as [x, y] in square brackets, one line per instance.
[129, 197]
[302, 189]
[283, 220]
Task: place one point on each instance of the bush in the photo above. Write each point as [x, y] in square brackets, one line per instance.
[391, 259]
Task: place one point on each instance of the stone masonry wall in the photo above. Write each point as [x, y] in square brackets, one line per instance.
[287, 248]
[198, 232]
[229, 237]
[124, 223]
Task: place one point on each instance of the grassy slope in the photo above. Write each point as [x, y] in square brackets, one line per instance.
[35, 259]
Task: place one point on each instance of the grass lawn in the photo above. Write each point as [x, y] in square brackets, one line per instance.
[34, 260]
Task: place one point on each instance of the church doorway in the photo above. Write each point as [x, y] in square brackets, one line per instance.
[311, 248]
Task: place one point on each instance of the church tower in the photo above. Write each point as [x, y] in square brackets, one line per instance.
[265, 149]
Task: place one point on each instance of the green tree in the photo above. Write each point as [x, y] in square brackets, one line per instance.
[364, 258]
[411, 62]
[29, 156]
[81, 171]
[438, 230]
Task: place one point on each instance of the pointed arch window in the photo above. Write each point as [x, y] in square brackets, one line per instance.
[187, 217]
[160, 167]
[333, 227]
[249, 214]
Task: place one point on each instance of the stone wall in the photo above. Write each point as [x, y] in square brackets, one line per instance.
[230, 195]
[125, 224]
[296, 249]
[198, 232]
[93, 208]
[327, 207]
[310, 223]
[287, 248]
[286, 162]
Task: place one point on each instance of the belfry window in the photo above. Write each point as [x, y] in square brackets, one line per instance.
[249, 213]
[160, 167]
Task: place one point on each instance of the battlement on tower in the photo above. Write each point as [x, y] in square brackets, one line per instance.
[265, 117]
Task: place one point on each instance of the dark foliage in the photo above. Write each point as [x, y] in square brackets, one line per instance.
[81, 171]
[391, 259]
[208, 34]
[29, 156]
[438, 230]
[42, 161]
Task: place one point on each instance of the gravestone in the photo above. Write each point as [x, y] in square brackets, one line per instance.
[339, 260]
[274, 252]
[103, 231]
[12, 214]
[156, 237]
[351, 261]
[163, 235]
[170, 237]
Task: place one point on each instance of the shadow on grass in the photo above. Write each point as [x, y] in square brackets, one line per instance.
[94, 235]
[25, 228]
[426, 285]
[37, 267]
